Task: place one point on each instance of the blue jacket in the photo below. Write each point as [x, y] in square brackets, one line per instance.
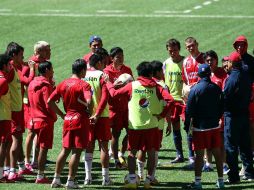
[204, 106]
[237, 93]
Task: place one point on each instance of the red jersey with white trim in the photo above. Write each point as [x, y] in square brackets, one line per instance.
[73, 91]
[190, 69]
[219, 76]
[120, 103]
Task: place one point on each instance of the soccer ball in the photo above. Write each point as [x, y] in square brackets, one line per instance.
[127, 179]
[124, 79]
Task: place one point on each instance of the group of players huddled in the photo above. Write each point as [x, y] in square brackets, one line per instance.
[101, 98]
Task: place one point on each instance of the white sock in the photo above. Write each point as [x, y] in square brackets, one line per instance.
[21, 165]
[70, 181]
[209, 164]
[141, 166]
[105, 174]
[12, 171]
[1, 172]
[88, 165]
[6, 170]
[120, 154]
[155, 165]
[56, 178]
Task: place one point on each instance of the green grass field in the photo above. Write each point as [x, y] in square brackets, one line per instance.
[141, 28]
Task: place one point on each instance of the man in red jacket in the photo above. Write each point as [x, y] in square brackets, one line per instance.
[118, 107]
[42, 116]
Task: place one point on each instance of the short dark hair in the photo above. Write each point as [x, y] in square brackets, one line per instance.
[13, 48]
[190, 39]
[101, 51]
[210, 53]
[4, 60]
[173, 42]
[156, 66]
[94, 59]
[145, 69]
[44, 66]
[78, 66]
[115, 50]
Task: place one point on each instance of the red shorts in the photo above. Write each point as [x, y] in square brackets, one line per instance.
[177, 112]
[45, 133]
[5, 132]
[27, 116]
[160, 137]
[144, 140]
[77, 138]
[119, 120]
[101, 130]
[206, 139]
[17, 123]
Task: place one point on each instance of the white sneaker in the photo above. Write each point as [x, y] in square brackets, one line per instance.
[88, 182]
[107, 182]
[56, 184]
[72, 185]
[242, 172]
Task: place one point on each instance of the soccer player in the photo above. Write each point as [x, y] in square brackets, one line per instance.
[237, 96]
[144, 97]
[172, 69]
[16, 81]
[241, 46]
[203, 112]
[42, 116]
[218, 75]
[42, 53]
[95, 42]
[5, 113]
[100, 127]
[76, 96]
[190, 77]
[118, 107]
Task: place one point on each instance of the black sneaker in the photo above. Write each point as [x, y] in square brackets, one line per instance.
[248, 178]
[178, 159]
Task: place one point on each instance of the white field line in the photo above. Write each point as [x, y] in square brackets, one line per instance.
[187, 11]
[167, 12]
[197, 7]
[207, 3]
[55, 11]
[128, 15]
[5, 10]
[111, 11]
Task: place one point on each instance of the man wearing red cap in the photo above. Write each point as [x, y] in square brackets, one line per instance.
[241, 46]
[237, 95]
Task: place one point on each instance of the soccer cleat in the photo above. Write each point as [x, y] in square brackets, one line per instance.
[56, 184]
[232, 182]
[4, 180]
[73, 185]
[178, 159]
[122, 160]
[225, 169]
[107, 182]
[207, 168]
[34, 165]
[154, 182]
[194, 185]
[15, 177]
[29, 166]
[148, 183]
[220, 184]
[44, 180]
[248, 178]
[88, 182]
[26, 172]
[118, 165]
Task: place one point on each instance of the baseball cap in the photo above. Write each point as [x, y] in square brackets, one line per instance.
[94, 38]
[234, 57]
[204, 70]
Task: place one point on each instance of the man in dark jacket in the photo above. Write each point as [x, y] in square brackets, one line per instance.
[203, 112]
[237, 95]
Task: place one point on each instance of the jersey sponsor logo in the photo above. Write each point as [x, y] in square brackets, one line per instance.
[91, 79]
[145, 91]
[144, 103]
[175, 73]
